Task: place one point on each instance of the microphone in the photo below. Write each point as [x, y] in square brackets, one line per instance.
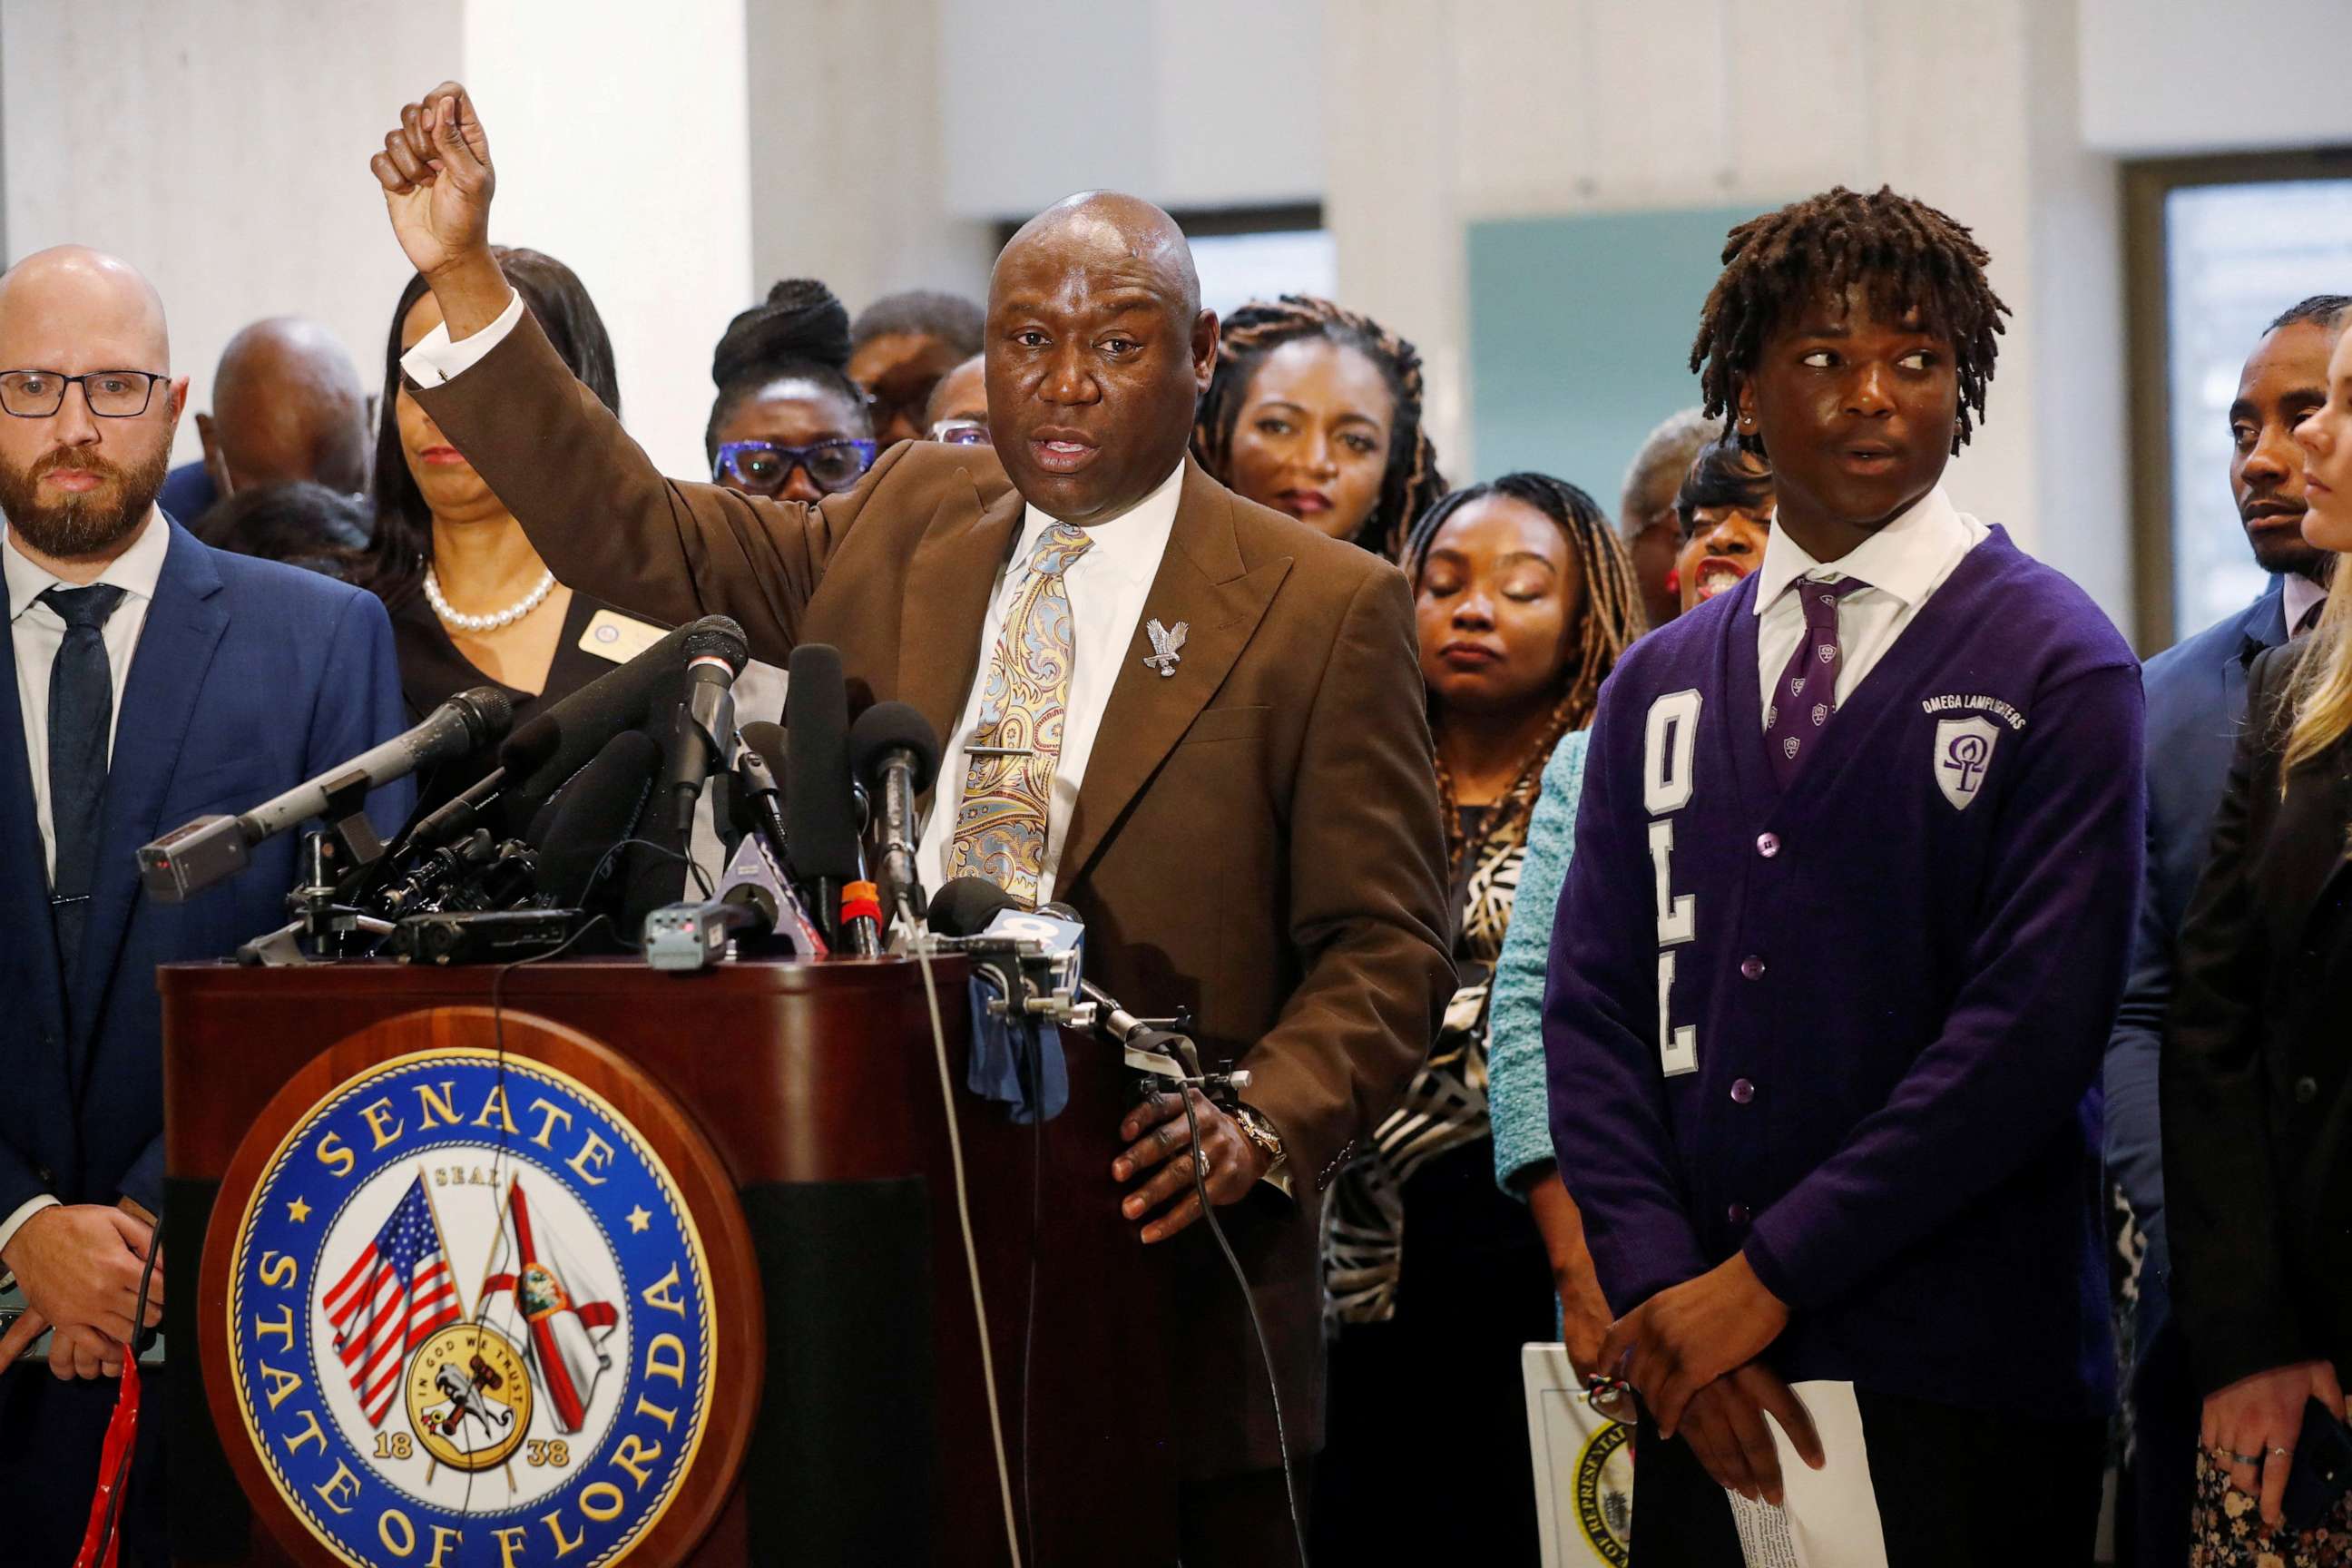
[758, 796]
[966, 905]
[715, 655]
[562, 738]
[196, 855]
[895, 751]
[599, 807]
[818, 803]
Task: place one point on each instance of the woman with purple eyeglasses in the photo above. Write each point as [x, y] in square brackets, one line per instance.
[788, 422]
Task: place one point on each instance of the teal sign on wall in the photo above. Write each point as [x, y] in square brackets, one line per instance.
[1581, 331]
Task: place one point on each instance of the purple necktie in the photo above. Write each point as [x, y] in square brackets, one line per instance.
[1798, 709]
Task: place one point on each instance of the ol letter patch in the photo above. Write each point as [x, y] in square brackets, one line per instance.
[1963, 751]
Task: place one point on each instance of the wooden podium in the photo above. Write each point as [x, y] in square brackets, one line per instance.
[791, 1116]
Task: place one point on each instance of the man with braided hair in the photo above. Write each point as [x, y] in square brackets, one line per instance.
[1842, 932]
[1315, 410]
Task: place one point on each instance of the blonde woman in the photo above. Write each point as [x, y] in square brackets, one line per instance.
[2257, 1068]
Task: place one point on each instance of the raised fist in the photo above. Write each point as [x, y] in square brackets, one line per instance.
[437, 177]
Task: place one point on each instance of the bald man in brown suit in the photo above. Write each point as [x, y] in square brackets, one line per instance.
[1255, 834]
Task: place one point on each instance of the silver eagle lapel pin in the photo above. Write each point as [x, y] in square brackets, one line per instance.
[1167, 648]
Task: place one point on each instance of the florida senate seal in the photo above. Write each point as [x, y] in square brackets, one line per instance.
[470, 1319]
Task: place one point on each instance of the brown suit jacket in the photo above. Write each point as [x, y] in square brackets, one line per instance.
[1256, 838]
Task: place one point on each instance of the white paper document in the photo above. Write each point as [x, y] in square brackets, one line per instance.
[1829, 1519]
[1584, 1476]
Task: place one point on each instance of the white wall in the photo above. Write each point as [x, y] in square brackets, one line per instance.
[1544, 107]
[2205, 76]
[848, 160]
[1185, 103]
[622, 142]
[221, 146]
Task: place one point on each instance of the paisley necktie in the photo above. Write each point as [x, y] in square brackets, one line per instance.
[1008, 780]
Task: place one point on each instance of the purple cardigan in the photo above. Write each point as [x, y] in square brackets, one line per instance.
[1887, 994]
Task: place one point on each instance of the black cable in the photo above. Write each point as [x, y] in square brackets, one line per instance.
[499, 1038]
[1031, 1088]
[138, 1330]
[1264, 1350]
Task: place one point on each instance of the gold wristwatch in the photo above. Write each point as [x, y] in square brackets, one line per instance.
[1260, 1131]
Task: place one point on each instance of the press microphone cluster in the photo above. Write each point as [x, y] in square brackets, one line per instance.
[210, 849]
[568, 822]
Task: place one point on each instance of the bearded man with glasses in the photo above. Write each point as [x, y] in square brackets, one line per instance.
[150, 679]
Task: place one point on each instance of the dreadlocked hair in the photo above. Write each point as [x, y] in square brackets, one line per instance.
[1902, 253]
[1612, 619]
[1412, 483]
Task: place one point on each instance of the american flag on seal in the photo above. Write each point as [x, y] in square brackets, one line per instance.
[395, 1293]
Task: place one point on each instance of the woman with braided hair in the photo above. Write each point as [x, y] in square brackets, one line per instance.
[1524, 599]
[788, 422]
[1316, 411]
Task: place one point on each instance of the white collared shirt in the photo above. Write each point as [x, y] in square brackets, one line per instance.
[2298, 595]
[36, 632]
[1904, 562]
[1107, 588]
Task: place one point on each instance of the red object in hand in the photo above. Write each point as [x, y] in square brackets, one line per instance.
[113, 1473]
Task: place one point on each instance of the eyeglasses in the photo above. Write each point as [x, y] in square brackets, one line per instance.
[111, 393]
[962, 433]
[764, 467]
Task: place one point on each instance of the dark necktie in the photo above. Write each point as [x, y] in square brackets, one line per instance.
[1797, 707]
[81, 713]
[2310, 619]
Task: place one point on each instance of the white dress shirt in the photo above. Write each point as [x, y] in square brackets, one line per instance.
[1107, 587]
[2299, 595]
[39, 631]
[36, 632]
[1904, 562]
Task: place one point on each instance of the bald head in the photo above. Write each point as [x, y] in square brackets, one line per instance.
[1098, 352]
[71, 291]
[1112, 228]
[288, 407]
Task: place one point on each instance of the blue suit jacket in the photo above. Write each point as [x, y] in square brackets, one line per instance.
[2196, 701]
[249, 677]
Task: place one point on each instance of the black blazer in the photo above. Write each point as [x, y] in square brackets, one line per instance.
[2257, 1062]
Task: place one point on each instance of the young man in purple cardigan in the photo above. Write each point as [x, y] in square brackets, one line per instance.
[1849, 910]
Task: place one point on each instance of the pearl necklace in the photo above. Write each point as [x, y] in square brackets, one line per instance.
[505, 618]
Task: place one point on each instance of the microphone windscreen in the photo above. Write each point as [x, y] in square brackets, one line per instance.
[559, 739]
[489, 713]
[764, 740]
[820, 811]
[717, 636]
[767, 740]
[894, 726]
[966, 905]
[594, 811]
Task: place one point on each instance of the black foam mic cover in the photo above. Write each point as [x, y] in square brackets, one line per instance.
[966, 905]
[894, 726]
[595, 810]
[820, 809]
[562, 737]
[767, 740]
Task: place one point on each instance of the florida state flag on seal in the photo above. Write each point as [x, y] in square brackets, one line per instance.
[563, 1332]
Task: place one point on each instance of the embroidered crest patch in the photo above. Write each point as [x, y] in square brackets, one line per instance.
[1963, 751]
